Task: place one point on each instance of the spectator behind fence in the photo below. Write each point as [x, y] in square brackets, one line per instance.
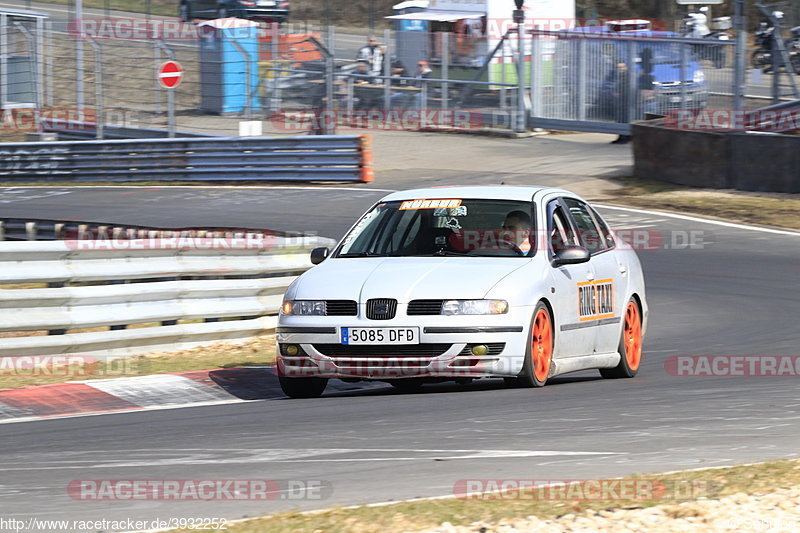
[371, 53]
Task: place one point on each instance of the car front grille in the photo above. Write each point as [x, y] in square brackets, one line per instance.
[382, 350]
[425, 307]
[381, 308]
[341, 308]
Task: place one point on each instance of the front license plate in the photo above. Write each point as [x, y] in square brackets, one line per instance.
[380, 335]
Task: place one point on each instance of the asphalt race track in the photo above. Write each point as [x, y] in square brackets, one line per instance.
[734, 293]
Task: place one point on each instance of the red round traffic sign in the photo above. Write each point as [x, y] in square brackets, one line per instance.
[170, 74]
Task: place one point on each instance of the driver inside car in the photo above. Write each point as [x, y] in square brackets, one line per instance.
[517, 230]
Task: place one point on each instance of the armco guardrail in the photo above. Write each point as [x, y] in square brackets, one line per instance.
[229, 288]
[306, 158]
[37, 229]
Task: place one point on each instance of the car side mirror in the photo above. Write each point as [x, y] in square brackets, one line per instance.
[571, 255]
[318, 255]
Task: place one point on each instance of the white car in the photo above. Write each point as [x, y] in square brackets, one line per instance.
[458, 283]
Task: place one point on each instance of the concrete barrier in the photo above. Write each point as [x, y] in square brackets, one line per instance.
[716, 159]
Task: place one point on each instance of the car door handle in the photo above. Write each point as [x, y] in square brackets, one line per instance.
[623, 269]
[590, 276]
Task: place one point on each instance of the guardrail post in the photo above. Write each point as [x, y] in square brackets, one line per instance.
[365, 146]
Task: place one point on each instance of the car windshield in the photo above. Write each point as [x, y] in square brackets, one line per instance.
[423, 227]
[662, 53]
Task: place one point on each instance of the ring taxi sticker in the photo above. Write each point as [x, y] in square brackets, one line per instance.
[596, 299]
[429, 204]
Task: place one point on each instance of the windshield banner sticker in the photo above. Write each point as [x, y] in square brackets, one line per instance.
[429, 204]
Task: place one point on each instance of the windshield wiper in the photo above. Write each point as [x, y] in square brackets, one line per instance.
[360, 254]
[449, 252]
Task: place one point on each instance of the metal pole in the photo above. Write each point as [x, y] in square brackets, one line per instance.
[536, 76]
[520, 125]
[581, 111]
[98, 90]
[170, 97]
[739, 82]
[682, 72]
[35, 72]
[49, 63]
[171, 113]
[776, 66]
[79, 95]
[445, 69]
[329, 121]
[387, 70]
[3, 60]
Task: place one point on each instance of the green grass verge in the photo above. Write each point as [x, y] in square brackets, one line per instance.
[414, 516]
[259, 351]
[771, 209]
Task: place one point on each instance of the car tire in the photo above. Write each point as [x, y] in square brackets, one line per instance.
[630, 345]
[303, 387]
[407, 384]
[539, 351]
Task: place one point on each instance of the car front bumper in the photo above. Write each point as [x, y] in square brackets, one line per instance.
[444, 349]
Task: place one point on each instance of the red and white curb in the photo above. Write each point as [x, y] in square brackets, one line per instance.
[162, 391]
[159, 391]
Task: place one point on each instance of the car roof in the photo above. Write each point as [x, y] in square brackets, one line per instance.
[493, 192]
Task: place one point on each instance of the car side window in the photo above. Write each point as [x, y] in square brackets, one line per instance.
[561, 233]
[589, 234]
[605, 232]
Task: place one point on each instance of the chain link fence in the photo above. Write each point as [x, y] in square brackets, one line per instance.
[297, 79]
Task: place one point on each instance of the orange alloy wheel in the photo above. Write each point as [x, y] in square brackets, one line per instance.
[632, 336]
[542, 345]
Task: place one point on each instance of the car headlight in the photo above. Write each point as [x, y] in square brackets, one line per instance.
[303, 307]
[474, 307]
[699, 77]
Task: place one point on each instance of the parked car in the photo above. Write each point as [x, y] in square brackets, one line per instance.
[267, 10]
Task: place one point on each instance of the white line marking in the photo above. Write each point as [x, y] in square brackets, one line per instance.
[700, 219]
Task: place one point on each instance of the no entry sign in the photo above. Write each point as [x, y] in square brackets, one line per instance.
[170, 74]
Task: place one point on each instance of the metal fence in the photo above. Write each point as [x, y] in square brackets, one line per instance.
[138, 297]
[110, 78]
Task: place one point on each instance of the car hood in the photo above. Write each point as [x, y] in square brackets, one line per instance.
[405, 278]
